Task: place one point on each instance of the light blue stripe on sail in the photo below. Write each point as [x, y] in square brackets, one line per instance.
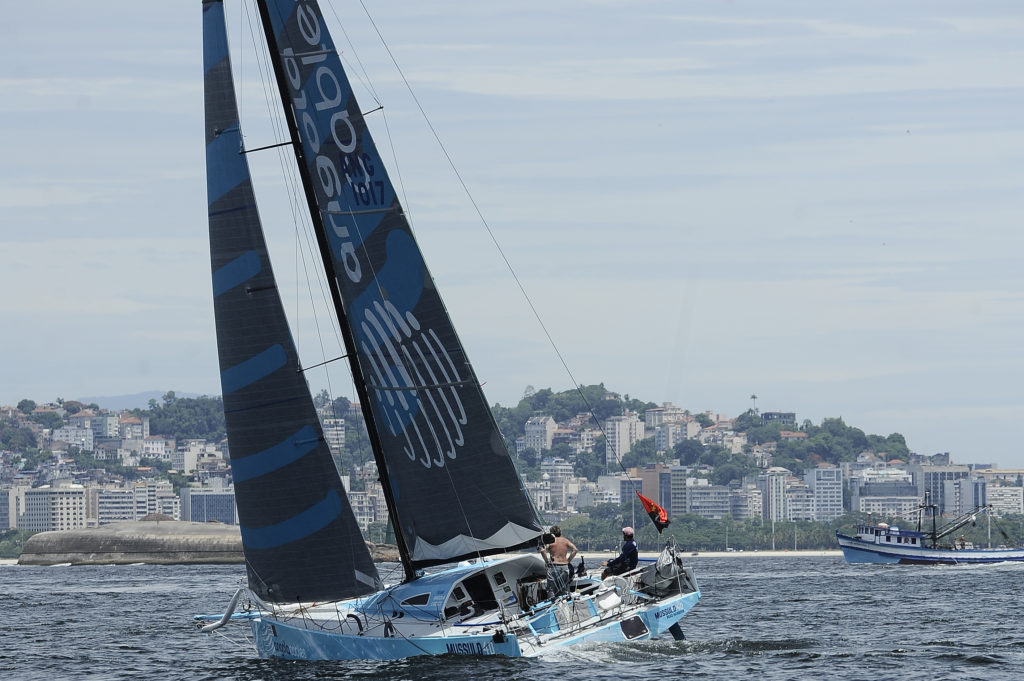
[226, 168]
[300, 526]
[278, 456]
[253, 369]
[238, 271]
[215, 38]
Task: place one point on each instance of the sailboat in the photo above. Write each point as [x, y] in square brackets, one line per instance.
[467, 532]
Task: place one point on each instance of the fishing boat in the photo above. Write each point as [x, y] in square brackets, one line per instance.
[473, 581]
[884, 543]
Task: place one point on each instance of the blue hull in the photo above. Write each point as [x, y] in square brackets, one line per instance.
[274, 638]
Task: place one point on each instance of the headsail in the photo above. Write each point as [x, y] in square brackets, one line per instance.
[452, 488]
[299, 534]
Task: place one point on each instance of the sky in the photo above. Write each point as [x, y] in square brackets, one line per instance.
[819, 204]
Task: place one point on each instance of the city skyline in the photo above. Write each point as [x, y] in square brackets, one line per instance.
[815, 204]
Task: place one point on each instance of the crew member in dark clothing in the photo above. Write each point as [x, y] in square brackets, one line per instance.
[627, 559]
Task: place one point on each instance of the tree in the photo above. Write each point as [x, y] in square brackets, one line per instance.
[688, 452]
[590, 465]
[341, 406]
[12, 542]
[187, 418]
[14, 438]
[26, 406]
[747, 421]
[47, 419]
[641, 453]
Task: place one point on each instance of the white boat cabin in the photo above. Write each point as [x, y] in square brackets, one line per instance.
[886, 534]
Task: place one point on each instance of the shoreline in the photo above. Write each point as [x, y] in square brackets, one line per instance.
[768, 553]
[645, 555]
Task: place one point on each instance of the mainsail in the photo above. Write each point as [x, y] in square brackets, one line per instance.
[299, 533]
[451, 486]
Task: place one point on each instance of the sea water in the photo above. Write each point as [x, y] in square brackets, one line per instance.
[759, 618]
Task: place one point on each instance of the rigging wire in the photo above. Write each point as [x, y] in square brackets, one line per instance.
[483, 219]
[305, 258]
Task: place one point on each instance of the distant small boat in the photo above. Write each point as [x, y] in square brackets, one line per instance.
[882, 543]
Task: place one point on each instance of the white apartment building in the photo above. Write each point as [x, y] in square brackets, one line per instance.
[556, 468]
[666, 413]
[798, 501]
[746, 504]
[620, 487]
[134, 428]
[668, 435]
[709, 501]
[364, 508]
[57, 507]
[963, 495]
[588, 438]
[826, 485]
[772, 484]
[12, 505]
[1005, 500]
[156, 496]
[621, 433]
[592, 495]
[74, 436]
[539, 432]
[334, 433]
[188, 453]
[541, 493]
[157, 447]
[113, 505]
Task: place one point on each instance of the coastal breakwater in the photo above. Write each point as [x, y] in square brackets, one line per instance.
[167, 542]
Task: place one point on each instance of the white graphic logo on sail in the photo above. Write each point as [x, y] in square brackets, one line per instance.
[415, 384]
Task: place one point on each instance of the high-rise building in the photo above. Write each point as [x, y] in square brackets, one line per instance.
[826, 485]
[932, 479]
[772, 484]
[621, 433]
[57, 507]
[206, 504]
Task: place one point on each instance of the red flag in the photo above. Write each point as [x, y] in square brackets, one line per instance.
[657, 513]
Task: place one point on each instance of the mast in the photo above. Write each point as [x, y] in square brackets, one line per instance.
[934, 508]
[332, 279]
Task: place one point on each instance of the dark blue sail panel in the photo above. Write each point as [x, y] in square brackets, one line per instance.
[454, 489]
[299, 533]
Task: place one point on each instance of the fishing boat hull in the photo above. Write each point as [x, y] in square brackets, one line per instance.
[862, 551]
